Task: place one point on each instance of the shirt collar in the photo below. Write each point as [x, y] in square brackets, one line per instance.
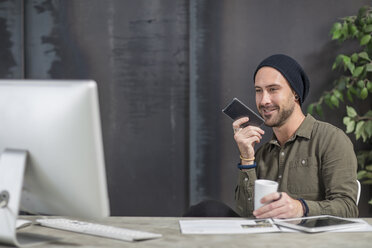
[304, 130]
[306, 127]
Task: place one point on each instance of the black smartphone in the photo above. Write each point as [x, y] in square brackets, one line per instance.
[236, 109]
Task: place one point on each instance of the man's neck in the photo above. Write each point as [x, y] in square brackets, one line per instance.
[288, 129]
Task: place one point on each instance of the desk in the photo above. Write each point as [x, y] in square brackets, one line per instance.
[169, 228]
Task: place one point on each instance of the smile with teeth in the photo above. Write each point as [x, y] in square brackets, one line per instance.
[268, 111]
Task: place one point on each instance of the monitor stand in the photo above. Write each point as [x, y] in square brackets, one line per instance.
[12, 169]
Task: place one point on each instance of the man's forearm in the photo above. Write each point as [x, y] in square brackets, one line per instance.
[343, 207]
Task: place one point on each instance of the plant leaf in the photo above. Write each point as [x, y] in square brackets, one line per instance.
[336, 31]
[319, 110]
[368, 128]
[341, 83]
[352, 90]
[346, 120]
[369, 85]
[364, 55]
[368, 175]
[368, 28]
[369, 67]
[337, 62]
[345, 30]
[351, 67]
[364, 93]
[364, 135]
[365, 39]
[358, 71]
[350, 127]
[354, 57]
[362, 12]
[359, 126]
[334, 66]
[338, 94]
[336, 35]
[327, 100]
[361, 174]
[351, 112]
[360, 84]
[349, 96]
[345, 59]
[359, 129]
[335, 101]
[353, 30]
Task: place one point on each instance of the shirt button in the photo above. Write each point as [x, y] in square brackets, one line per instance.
[249, 199]
[303, 161]
[282, 153]
[280, 176]
[246, 179]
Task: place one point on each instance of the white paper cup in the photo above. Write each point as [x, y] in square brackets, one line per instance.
[262, 188]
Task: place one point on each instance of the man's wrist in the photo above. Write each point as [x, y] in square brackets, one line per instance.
[246, 167]
[242, 162]
[305, 208]
[247, 160]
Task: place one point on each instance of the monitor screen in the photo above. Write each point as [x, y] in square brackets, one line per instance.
[58, 123]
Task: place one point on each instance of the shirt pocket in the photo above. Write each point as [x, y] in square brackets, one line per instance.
[303, 176]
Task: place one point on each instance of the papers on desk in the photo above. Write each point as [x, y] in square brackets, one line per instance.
[239, 226]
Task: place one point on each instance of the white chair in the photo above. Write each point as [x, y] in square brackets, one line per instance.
[359, 189]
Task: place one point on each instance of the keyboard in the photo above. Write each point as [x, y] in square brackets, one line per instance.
[22, 223]
[97, 229]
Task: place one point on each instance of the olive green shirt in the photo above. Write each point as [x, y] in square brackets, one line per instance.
[317, 164]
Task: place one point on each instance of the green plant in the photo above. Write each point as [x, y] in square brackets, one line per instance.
[354, 83]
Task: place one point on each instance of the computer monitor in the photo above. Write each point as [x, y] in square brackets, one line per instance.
[58, 123]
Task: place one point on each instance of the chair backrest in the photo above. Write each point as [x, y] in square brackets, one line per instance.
[359, 189]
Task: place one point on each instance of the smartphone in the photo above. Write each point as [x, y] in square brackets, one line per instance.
[236, 110]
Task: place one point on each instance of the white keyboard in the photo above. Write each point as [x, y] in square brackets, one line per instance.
[97, 229]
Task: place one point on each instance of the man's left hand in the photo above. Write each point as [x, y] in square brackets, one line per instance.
[279, 205]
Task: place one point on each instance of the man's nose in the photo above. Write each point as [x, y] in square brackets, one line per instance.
[265, 98]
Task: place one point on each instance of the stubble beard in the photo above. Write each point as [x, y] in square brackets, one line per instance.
[281, 118]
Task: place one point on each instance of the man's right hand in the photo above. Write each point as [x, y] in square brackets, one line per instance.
[246, 137]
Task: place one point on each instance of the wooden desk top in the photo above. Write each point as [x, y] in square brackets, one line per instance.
[172, 237]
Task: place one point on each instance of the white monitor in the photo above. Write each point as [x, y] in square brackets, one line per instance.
[58, 123]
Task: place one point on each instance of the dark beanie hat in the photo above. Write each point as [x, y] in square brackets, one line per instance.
[291, 70]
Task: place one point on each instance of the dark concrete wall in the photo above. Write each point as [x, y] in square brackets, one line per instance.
[137, 51]
[165, 69]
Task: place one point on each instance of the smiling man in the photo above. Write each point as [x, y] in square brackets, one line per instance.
[313, 161]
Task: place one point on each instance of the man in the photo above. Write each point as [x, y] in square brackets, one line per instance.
[313, 162]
